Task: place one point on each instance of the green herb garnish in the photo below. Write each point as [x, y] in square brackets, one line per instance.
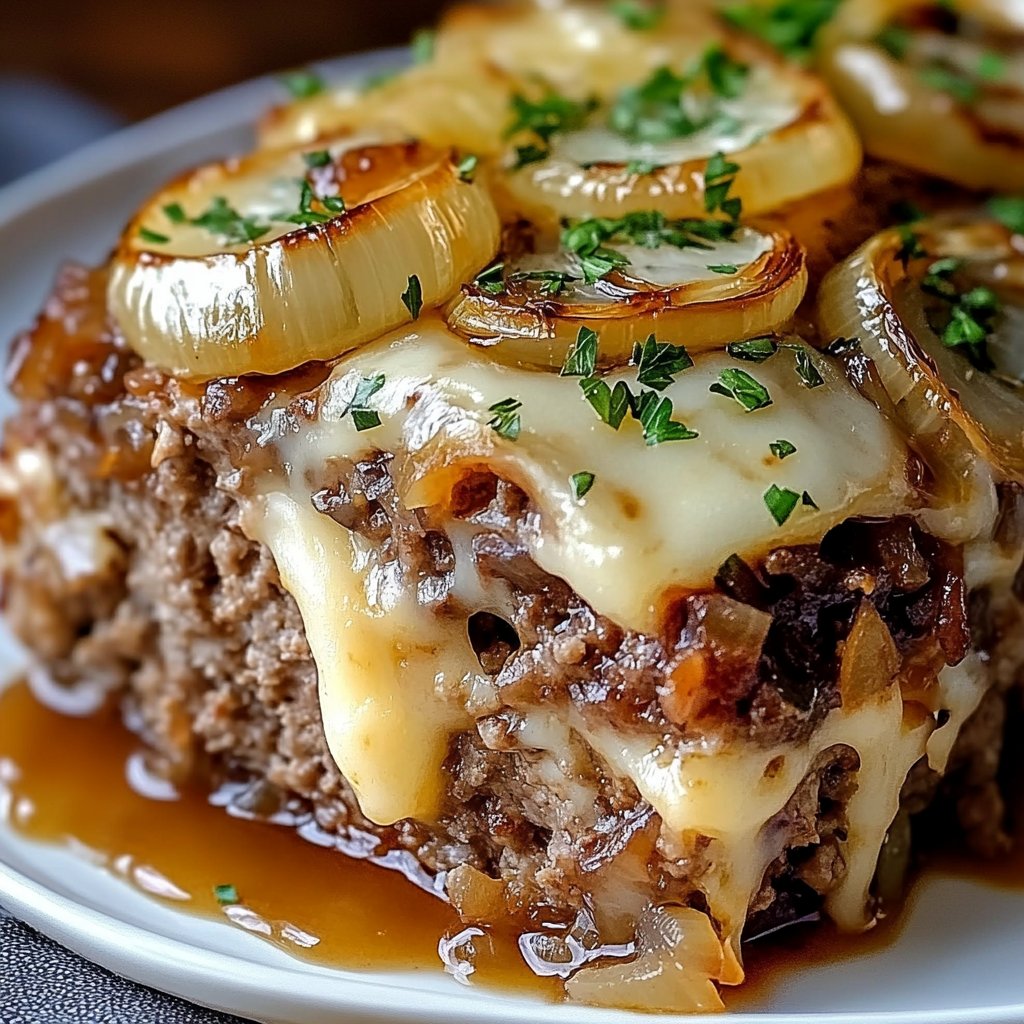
[610, 404]
[719, 177]
[723, 268]
[505, 421]
[175, 213]
[302, 83]
[316, 158]
[743, 388]
[492, 280]
[753, 350]
[581, 359]
[789, 25]
[782, 449]
[781, 502]
[655, 416]
[226, 895]
[422, 45]
[467, 166]
[658, 362]
[806, 369]
[638, 15]
[224, 221]
[153, 237]
[413, 296]
[581, 484]
[363, 417]
[1009, 211]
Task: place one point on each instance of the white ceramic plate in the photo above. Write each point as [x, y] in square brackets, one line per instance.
[959, 959]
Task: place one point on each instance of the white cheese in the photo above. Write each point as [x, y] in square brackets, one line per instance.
[657, 517]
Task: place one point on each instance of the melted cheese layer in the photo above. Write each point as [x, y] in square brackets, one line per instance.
[657, 517]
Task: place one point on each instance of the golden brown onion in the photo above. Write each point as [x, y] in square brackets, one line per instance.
[212, 279]
[442, 105]
[785, 131]
[952, 410]
[950, 103]
[532, 312]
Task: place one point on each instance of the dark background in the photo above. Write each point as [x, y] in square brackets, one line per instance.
[137, 57]
[73, 69]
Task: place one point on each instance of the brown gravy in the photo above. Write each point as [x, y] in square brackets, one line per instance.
[68, 784]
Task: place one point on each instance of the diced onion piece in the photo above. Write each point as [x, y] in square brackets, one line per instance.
[444, 106]
[951, 411]
[787, 134]
[679, 955]
[667, 291]
[207, 303]
[900, 112]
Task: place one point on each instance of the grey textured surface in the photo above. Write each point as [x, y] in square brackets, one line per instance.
[41, 983]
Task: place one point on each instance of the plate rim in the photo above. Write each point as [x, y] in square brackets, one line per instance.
[140, 954]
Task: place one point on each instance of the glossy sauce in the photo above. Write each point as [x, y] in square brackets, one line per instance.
[79, 781]
[66, 780]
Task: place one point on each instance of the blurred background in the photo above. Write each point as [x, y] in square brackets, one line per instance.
[71, 70]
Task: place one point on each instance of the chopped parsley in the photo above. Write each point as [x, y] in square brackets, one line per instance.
[306, 215]
[363, 417]
[670, 106]
[789, 25]
[782, 502]
[581, 359]
[655, 416]
[972, 313]
[226, 895]
[658, 362]
[413, 296]
[547, 116]
[719, 177]
[641, 167]
[548, 282]
[639, 15]
[581, 484]
[175, 213]
[153, 237]
[422, 46]
[910, 244]
[221, 219]
[610, 404]
[806, 369]
[964, 89]
[782, 449]
[316, 158]
[467, 166]
[753, 350]
[531, 153]
[492, 280]
[895, 40]
[302, 83]
[723, 268]
[505, 421]
[743, 388]
[1009, 211]
[991, 66]
[589, 239]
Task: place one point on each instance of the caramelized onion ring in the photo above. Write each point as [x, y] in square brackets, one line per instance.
[813, 148]
[208, 303]
[904, 118]
[522, 326]
[951, 411]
